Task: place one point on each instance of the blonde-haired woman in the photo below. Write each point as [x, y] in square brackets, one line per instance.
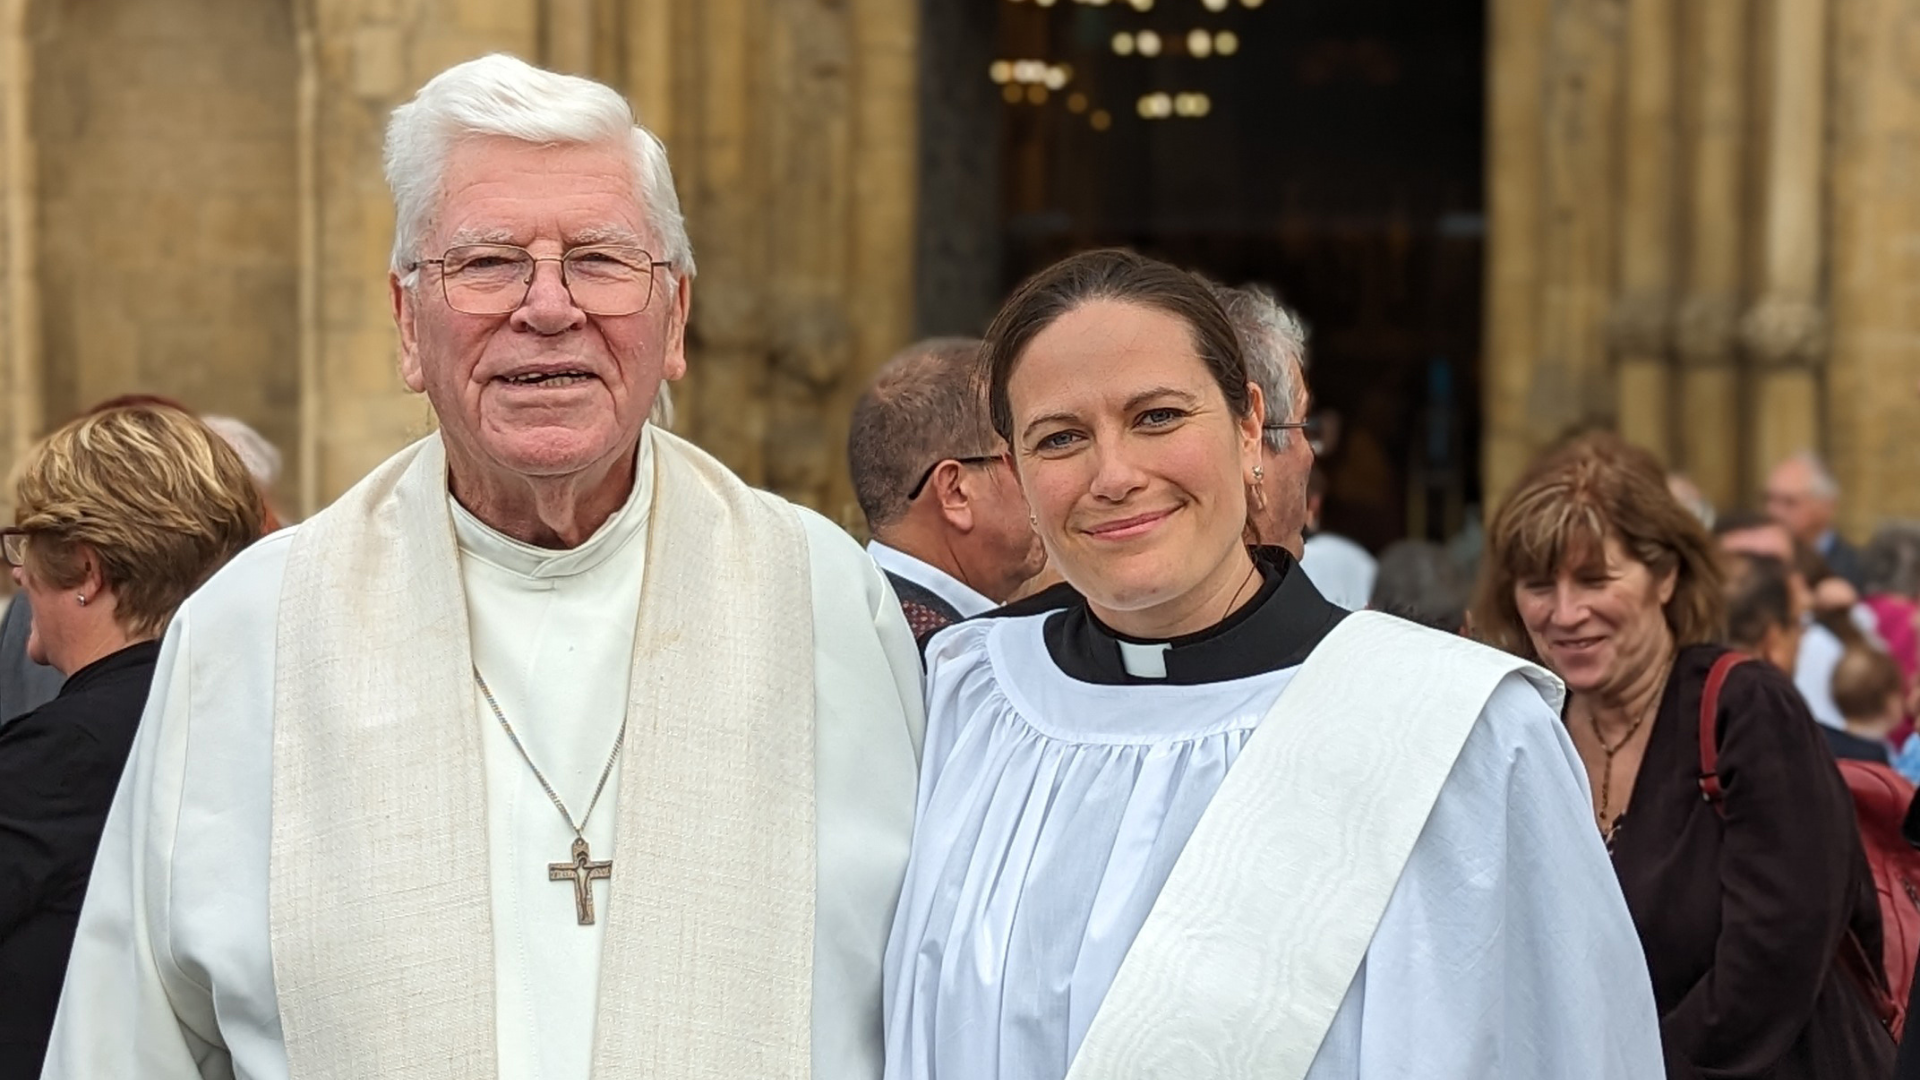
[118, 517]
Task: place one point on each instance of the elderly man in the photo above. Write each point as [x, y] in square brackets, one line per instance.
[551, 749]
[1276, 349]
[949, 525]
[1803, 496]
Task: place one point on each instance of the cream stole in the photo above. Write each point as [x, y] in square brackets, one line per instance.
[1261, 928]
[380, 899]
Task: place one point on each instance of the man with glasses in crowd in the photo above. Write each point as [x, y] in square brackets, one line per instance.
[551, 749]
[950, 527]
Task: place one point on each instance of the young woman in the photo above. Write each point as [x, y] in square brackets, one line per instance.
[1070, 755]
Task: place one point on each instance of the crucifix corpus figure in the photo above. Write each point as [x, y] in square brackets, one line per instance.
[583, 872]
[441, 669]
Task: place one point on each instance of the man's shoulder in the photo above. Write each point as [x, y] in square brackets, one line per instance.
[245, 593]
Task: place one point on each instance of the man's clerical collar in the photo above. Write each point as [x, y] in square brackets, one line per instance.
[1274, 630]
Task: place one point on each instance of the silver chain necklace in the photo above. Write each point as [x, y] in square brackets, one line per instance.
[579, 869]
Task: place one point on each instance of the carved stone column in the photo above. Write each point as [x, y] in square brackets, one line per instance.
[1872, 409]
[791, 125]
[1573, 386]
[1717, 33]
[1643, 316]
[1515, 147]
[367, 59]
[20, 419]
[1785, 333]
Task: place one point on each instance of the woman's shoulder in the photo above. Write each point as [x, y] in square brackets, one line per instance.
[1750, 682]
[964, 651]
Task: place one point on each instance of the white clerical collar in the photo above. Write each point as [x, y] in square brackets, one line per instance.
[931, 578]
[481, 541]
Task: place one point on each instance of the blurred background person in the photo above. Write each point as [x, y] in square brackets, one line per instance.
[1275, 343]
[1890, 588]
[1872, 698]
[950, 527]
[1763, 612]
[118, 517]
[1594, 570]
[1692, 498]
[1341, 569]
[1421, 582]
[1820, 647]
[262, 459]
[1802, 495]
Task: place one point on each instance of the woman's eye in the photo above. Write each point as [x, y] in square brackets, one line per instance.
[1059, 440]
[1159, 417]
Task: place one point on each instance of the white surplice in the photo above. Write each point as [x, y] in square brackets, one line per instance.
[1052, 811]
[172, 974]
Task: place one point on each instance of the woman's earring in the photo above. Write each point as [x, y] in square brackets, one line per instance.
[1259, 474]
[1033, 519]
[82, 597]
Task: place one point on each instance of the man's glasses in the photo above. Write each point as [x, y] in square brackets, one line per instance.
[494, 279]
[1311, 428]
[13, 543]
[978, 459]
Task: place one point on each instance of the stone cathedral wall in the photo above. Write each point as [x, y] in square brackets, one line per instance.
[1705, 229]
[194, 207]
[1704, 219]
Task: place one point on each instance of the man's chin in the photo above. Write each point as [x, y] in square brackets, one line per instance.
[550, 454]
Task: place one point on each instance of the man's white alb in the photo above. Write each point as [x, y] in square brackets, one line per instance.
[183, 966]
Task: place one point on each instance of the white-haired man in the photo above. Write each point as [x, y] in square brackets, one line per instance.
[1275, 344]
[551, 749]
[1802, 495]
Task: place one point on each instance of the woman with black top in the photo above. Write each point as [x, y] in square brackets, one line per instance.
[119, 515]
[1070, 755]
[1755, 906]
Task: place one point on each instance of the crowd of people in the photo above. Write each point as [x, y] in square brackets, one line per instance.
[554, 750]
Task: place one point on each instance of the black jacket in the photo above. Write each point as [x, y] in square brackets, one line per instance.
[59, 766]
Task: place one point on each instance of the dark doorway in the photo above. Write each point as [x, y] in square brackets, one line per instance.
[1331, 149]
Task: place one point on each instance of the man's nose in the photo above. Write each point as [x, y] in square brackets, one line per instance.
[549, 307]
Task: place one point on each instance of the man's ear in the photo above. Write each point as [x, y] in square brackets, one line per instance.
[673, 364]
[956, 503]
[403, 318]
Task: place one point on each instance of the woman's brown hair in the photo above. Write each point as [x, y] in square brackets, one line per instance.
[1560, 515]
[1110, 274]
[159, 500]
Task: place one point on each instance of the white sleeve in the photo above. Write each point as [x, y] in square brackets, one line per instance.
[1506, 950]
[128, 1012]
[869, 726]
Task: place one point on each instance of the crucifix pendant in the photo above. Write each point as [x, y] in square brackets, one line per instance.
[583, 872]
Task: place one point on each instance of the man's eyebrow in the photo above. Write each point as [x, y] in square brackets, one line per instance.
[481, 236]
[605, 234]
